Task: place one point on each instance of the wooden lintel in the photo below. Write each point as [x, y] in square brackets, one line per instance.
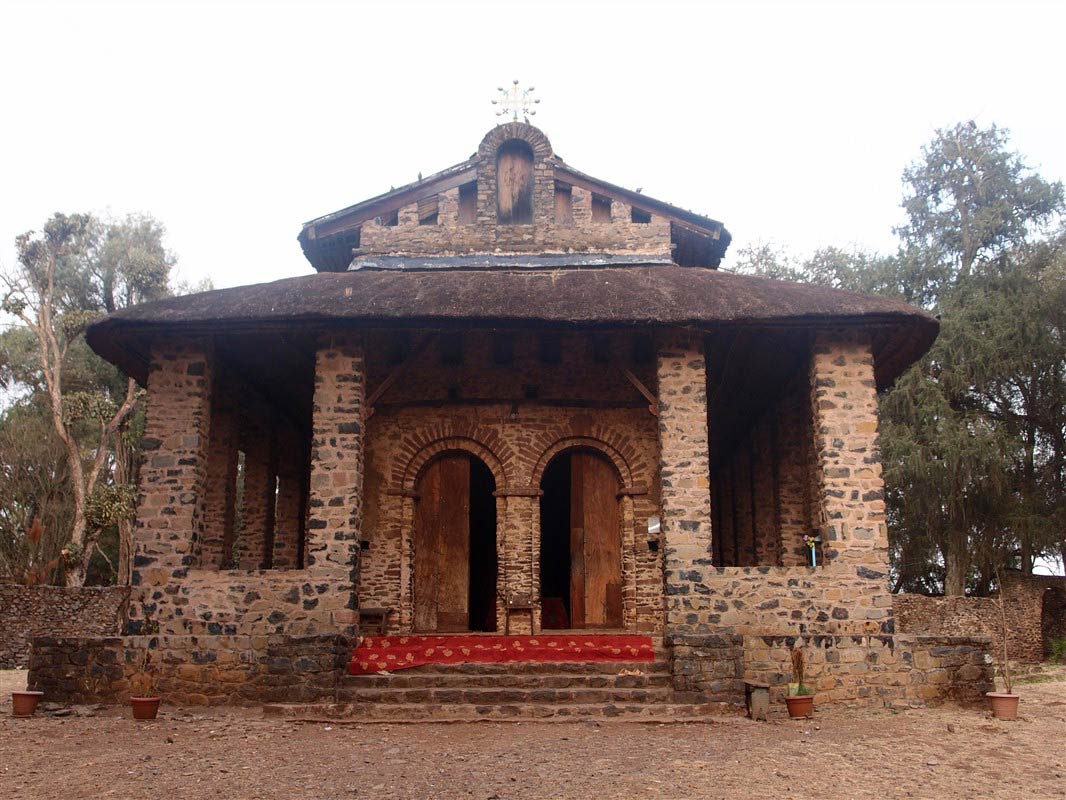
[653, 401]
[393, 376]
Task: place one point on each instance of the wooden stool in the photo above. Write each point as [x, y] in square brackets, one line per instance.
[373, 620]
[757, 699]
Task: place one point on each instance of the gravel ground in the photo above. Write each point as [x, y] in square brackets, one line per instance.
[946, 752]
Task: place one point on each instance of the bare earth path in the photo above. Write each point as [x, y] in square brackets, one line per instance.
[238, 754]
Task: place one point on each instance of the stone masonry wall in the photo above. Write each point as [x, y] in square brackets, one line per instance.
[516, 436]
[447, 236]
[182, 599]
[29, 611]
[190, 670]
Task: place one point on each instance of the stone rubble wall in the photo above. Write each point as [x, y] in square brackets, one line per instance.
[191, 670]
[1025, 597]
[872, 671]
[29, 611]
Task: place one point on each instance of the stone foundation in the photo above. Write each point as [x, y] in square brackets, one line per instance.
[29, 611]
[191, 670]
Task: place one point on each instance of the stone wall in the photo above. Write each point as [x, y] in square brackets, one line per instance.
[29, 611]
[409, 234]
[1026, 597]
[575, 403]
[874, 671]
[190, 670]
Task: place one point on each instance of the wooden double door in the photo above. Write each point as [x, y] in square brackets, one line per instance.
[455, 547]
[584, 558]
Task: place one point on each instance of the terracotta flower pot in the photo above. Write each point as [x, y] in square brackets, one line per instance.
[145, 707]
[23, 704]
[800, 705]
[1004, 705]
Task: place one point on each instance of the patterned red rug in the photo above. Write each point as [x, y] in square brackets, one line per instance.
[400, 652]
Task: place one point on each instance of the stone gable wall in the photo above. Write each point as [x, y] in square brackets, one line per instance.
[29, 611]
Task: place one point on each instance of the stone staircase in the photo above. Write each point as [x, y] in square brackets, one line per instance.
[557, 691]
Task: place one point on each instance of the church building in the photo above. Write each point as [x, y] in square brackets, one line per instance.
[517, 402]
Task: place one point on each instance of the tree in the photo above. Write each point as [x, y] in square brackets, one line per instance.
[74, 269]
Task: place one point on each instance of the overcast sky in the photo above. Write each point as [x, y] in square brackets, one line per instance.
[235, 122]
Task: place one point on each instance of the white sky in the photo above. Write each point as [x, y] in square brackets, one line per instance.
[234, 122]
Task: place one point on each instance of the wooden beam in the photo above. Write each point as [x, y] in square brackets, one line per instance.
[393, 376]
[653, 401]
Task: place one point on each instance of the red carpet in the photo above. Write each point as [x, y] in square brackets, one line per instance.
[400, 652]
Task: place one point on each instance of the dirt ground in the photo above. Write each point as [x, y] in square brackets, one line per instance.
[946, 752]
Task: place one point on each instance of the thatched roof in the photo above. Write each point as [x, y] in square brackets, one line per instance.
[650, 295]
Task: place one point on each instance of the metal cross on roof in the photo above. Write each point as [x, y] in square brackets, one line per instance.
[513, 101]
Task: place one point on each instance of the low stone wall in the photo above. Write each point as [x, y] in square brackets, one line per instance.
[834, 600]
[1025, 596]
[29, 611]
[874, 671]
[191, 670]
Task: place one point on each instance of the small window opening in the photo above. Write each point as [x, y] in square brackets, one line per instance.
[468, 203]
[643, 352]
[564, 204]
[429, 210]
[503, 349]
[451, 349]
[639, 216]
[531, 392]
[601, 348]
[399, 348]
[601, 209]
[551, 348]
[390, 220]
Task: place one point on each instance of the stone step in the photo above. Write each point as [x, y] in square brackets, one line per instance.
[661, 666]
[495, 696]
[411, 679]
[469, 712]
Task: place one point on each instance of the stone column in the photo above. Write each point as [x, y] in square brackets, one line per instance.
[684, 471]
[288, 521]
[260, 487]
[221, 481]
[847, 458]
[335, 506]
[170, 508]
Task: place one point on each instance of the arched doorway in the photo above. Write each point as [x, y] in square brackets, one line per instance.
[455, 546]
[580, 543]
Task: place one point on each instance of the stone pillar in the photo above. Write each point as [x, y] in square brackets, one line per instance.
[684, 471]
[170, 509]
[335, 506]
[221, 480]
[288, 521]
[518, 550]
[260, 487]
[847, 458]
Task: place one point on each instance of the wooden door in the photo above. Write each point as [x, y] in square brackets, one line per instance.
[442, 547]
[595, 544]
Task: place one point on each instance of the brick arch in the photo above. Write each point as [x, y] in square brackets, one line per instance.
[418, 463]
[515, 130]
[621, 466]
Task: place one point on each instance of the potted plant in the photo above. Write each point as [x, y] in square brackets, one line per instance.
[144, 697]
[800, 697]
[24, 703]
[1004, 704]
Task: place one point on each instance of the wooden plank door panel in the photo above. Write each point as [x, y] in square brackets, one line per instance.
[577, 544]
[453, 584]
[602, 544]
[442, 547]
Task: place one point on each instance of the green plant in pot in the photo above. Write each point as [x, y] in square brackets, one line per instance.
[800, 697]
[144, 687]
[1004, 704]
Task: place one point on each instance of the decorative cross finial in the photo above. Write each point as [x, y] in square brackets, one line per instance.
[515, 100]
